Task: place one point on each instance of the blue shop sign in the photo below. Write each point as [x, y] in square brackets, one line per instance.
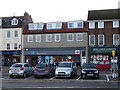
[9, 53]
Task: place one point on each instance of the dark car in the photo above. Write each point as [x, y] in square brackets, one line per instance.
[89, 70]
[44, 70]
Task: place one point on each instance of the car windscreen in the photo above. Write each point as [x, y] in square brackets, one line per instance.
[64, 65]
[41, 66]
[17, 65]
[88, 66]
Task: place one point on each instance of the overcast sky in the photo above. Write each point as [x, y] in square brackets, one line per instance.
[54, 10]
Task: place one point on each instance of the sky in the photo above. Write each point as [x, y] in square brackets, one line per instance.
[54, 10]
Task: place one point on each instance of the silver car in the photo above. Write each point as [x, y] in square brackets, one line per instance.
[66, 69]
[21, 69]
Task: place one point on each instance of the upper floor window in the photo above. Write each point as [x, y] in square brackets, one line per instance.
[75, 24]
[8, 34]
[91, 25]
[70, 37]
[38, 38]
[115, 24]
[35, 26]
[91, 39]
[16, 33]
[57, 37]
[48, 37]
[15, 45]
[54, 25]
[79, 37]
[30, 38]
[14, 21]
[8, 46]
[101, 24]
[116, 39]
[101, 39]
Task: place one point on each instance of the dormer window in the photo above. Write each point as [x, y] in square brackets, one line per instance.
[75, 24]
[14, 21]
[54, 25]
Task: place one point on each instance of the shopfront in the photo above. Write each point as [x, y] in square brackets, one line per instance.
[54, 55]
[102, 53]
[10, 57]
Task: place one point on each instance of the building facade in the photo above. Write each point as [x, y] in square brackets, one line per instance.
[104, 34]
[55, 41]
[11, 37]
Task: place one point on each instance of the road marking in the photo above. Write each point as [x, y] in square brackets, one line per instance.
[107, 78]
[52, 78]
[28, 78]
[78, 78]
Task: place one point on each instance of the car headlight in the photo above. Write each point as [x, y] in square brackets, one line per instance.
[83, 71]
[96, 71]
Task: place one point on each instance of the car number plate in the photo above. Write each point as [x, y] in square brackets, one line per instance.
[61, 73]
[14, 74]
[89, 74]
[40, 73]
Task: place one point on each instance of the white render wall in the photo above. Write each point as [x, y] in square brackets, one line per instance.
[4, 40]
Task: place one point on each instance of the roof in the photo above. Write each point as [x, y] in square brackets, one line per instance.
[107, 14]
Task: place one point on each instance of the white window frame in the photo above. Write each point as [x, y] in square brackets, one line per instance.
[30, 37]
[8, 34]
[81, 36]
[116, 42]
[114, 24]
[35, 26]
[55, 37]
[92, 39]
[54, 25]
[101, 24]
[99, 40]
[91, 25]
[36, 39]
[48, 37]
[75, 24]
[14, 21]
[69, 35]
[16, 34]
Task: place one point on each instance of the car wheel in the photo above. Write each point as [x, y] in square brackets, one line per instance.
[24, 75]
[50, 75]
[11, 76]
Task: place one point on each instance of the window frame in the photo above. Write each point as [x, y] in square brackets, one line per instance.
[114, 25]
[102, 41]
[81, 36]
[8, 46]
[55, 36]
[93, 25]
[101, 24]
[16, 34]
[36, 38]
[75, 24]
[117, 40]
[92, 39]
[35, 26]
[54, 25]
[14, 21]
[50, 37]
[30, 36]
[68, 36]
[15, 46]
[8, 34]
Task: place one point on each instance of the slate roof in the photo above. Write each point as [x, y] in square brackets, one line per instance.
[107, 14]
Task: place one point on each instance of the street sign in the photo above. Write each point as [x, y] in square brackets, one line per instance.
[77, 52]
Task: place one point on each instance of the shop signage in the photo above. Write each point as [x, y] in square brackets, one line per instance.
[77, 52]
[102, 49]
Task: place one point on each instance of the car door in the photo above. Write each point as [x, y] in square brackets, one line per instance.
[30, 69]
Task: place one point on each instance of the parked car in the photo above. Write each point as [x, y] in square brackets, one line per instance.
[20, 69]
[66, 69]
[44, 70]
[104, 64]
[89, 70]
